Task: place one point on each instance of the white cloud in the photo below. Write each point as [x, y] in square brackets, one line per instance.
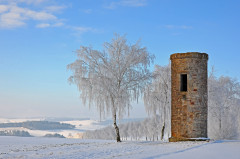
[13, 16]
[82, 29]
[39, 15]
[32, 1]
[127, 3]
[43, 25]
[3, 8]
[11, 20]
[79, 30]
[54, 8]
[58, 24]
[178, 27]
[18, 13]
[47, 25]
[35, 2]
[133, 3]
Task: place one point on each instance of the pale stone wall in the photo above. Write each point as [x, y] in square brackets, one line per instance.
[189, 109]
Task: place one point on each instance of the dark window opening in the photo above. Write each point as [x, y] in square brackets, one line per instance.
[183, 87]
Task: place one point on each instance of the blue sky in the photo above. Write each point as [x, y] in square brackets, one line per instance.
[38, 37]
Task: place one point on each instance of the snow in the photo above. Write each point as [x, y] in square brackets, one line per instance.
[81, 126]
[5, 120]
[85, 124]
[37, 147]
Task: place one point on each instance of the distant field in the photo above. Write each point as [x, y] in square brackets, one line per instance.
[19, 147]
[67, 127]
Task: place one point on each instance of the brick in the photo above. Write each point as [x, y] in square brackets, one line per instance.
[190, 107]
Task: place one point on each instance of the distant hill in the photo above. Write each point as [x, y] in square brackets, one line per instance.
[15, 133]
[59, 119]
[38, 125]
[54, 135]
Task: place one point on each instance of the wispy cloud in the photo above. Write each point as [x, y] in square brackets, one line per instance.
[18, 13]
[177, 27]
[126, 3]
[11, 20]
[32, 1]
[79, 30]
[58, 24]
[35, 2]
[12, 15]
[43, 25]
[47, 25]
[3, 8]
[54, 8]
[87, 11]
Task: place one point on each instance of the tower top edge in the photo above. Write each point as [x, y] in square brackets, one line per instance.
[189, 55]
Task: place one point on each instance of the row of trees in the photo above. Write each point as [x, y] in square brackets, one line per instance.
[111, 79]
[56, 135]
[149, 129]
[157, 98]
[224, 107]
[39, 125]
[15, 133]
[22, 133]
[223, 118]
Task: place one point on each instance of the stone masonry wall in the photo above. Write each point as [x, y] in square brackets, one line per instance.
[189, 109]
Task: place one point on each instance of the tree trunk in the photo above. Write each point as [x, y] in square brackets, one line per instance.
[114, 116]
[116, 127]
[220, 127]
[163, 129]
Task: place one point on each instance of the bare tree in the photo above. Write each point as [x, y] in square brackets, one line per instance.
[157, 97]
[111, 79]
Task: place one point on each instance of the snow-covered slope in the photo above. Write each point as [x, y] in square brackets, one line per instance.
[36, 147]
[5, 120]
[85, 124]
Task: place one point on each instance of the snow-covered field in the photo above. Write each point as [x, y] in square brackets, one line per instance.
[37, 147]
[5, 120]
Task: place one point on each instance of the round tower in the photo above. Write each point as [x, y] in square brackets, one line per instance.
[189, 96]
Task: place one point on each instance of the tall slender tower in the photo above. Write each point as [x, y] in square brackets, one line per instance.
[189, 96]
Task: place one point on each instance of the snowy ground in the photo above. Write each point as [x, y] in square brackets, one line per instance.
[36, 147]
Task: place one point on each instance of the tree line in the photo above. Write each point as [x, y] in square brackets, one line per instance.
[15, 133]
[113, 78]
[39, 125]
[223, 111]
[150, 129]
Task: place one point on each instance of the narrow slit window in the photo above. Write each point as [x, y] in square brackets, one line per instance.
[183, 87]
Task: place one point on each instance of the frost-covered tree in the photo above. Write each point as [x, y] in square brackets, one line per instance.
[139, 130]
[157, 98]
[111, 79]
[223, 103]
[224, 107]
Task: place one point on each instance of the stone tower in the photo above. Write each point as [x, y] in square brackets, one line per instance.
[189, 96]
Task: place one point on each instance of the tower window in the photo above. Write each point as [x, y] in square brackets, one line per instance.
[183, 86]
